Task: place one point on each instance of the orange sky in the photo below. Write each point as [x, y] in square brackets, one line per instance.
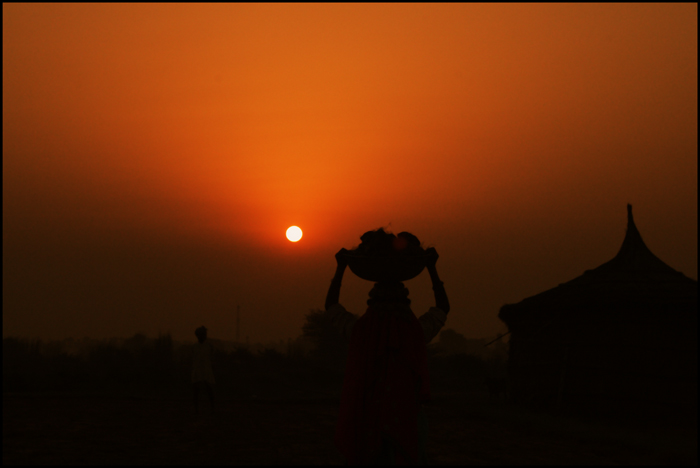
[154, 155]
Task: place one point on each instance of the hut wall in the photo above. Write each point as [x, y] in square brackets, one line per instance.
[607, 358]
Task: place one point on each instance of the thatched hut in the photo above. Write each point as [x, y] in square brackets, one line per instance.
[623, 335]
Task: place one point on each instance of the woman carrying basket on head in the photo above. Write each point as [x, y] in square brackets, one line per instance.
[386, 376]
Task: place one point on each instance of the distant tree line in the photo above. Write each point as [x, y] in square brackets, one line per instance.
[310, 366]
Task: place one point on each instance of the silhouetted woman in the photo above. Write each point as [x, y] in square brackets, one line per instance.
[386, 375]
[202, 374]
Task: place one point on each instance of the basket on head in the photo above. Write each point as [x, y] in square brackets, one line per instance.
[385, 257]
[389, 268]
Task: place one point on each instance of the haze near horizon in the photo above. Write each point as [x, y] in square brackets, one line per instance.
[154, 155]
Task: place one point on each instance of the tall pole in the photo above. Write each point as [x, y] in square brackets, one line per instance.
[238, 324]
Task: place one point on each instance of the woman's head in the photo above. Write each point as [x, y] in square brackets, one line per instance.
[392, 292]
[201, 333]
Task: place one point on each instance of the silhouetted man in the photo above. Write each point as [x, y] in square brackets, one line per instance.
[202, 374]
[386, 376]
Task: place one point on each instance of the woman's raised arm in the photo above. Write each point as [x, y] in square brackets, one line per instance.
[334, 290]
[441, 301]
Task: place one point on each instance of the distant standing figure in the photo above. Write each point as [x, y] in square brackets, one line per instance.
[386, 375]
[202, 374]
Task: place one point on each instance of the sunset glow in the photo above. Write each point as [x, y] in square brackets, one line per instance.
[153, 154]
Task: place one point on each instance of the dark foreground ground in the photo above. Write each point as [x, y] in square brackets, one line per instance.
[66, 429]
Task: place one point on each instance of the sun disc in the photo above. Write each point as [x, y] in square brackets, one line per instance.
[294, 233]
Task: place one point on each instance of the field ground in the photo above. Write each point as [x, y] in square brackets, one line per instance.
[65, 429]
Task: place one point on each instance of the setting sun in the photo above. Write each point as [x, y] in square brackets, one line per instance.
[294, 233]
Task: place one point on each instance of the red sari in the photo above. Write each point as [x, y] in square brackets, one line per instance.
[386, 380]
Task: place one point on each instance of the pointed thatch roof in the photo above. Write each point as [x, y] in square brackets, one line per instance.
[634, 259]
[634, 279]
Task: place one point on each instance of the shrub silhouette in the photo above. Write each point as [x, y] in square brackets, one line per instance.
[330, 348]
